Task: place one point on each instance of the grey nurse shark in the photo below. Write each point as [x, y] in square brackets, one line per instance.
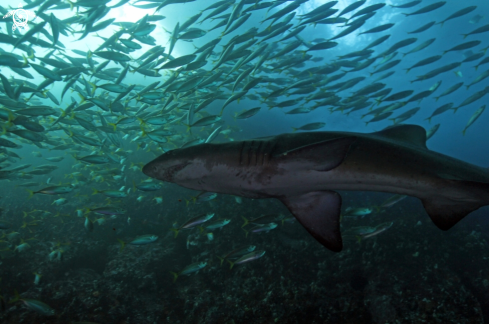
[304, 169]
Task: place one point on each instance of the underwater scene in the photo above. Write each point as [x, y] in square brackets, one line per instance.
[244, 161]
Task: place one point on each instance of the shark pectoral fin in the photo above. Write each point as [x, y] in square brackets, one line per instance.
[319, 213]
[321, 156]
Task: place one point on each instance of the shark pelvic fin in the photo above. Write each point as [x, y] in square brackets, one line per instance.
[411, 134]
[319, 212]
[321, 156]
[445, 213]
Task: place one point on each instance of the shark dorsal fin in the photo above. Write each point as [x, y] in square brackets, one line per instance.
[409, 134]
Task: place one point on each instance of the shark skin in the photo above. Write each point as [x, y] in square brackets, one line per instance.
[303, 170]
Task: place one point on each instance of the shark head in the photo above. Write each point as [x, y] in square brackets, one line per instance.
[168, 166]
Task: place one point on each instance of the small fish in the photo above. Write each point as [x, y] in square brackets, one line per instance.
[140, 240]
[247, 258]
[473, 118]
[107, 210]
[354, 212]
[35, 305]
[391, 201]
[193, 222]
[476, 19]
[263, 228]
[54, 190]
[5, 225]
[237, 253]
[218, 224]
[158, 200]
[59, 202]
[148, 187]
[311, 126]
[194, 267]
[88, 224]
[110, 193]
[37, 278]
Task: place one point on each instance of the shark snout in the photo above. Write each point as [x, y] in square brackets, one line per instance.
[150, 169]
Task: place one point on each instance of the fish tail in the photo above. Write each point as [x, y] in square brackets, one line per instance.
[463, 132]
[246, 232]
[175, 275]
[95, 191]
[175, 230]
[465, 35]
[222, 259]
[16, 297]
[359, 238]
[231, 264]
[246, 221]
[113, 125]
[122, 243]
[71, 5]
[31, 193]
[94, 87]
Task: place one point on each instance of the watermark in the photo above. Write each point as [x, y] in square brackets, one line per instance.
[20, 17]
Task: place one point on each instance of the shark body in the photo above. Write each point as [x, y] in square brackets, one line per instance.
[303, 170]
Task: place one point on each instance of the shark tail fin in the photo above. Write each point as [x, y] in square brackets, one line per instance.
[446, 212]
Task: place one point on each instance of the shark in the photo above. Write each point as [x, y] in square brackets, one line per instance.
[305, 171]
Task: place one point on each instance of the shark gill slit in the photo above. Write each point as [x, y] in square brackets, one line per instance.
[248, 154]
[241, 153]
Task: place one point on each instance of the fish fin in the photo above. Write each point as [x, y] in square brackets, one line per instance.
[246, 221]
[222, 259]
[323, 156]
[31, 193]
[16, 297]
[175, 230]
[319, 212]
[122, 243]
[411, 134]
[175, 275]
[446, 212]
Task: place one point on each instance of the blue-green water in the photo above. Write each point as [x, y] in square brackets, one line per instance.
[411, 272]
